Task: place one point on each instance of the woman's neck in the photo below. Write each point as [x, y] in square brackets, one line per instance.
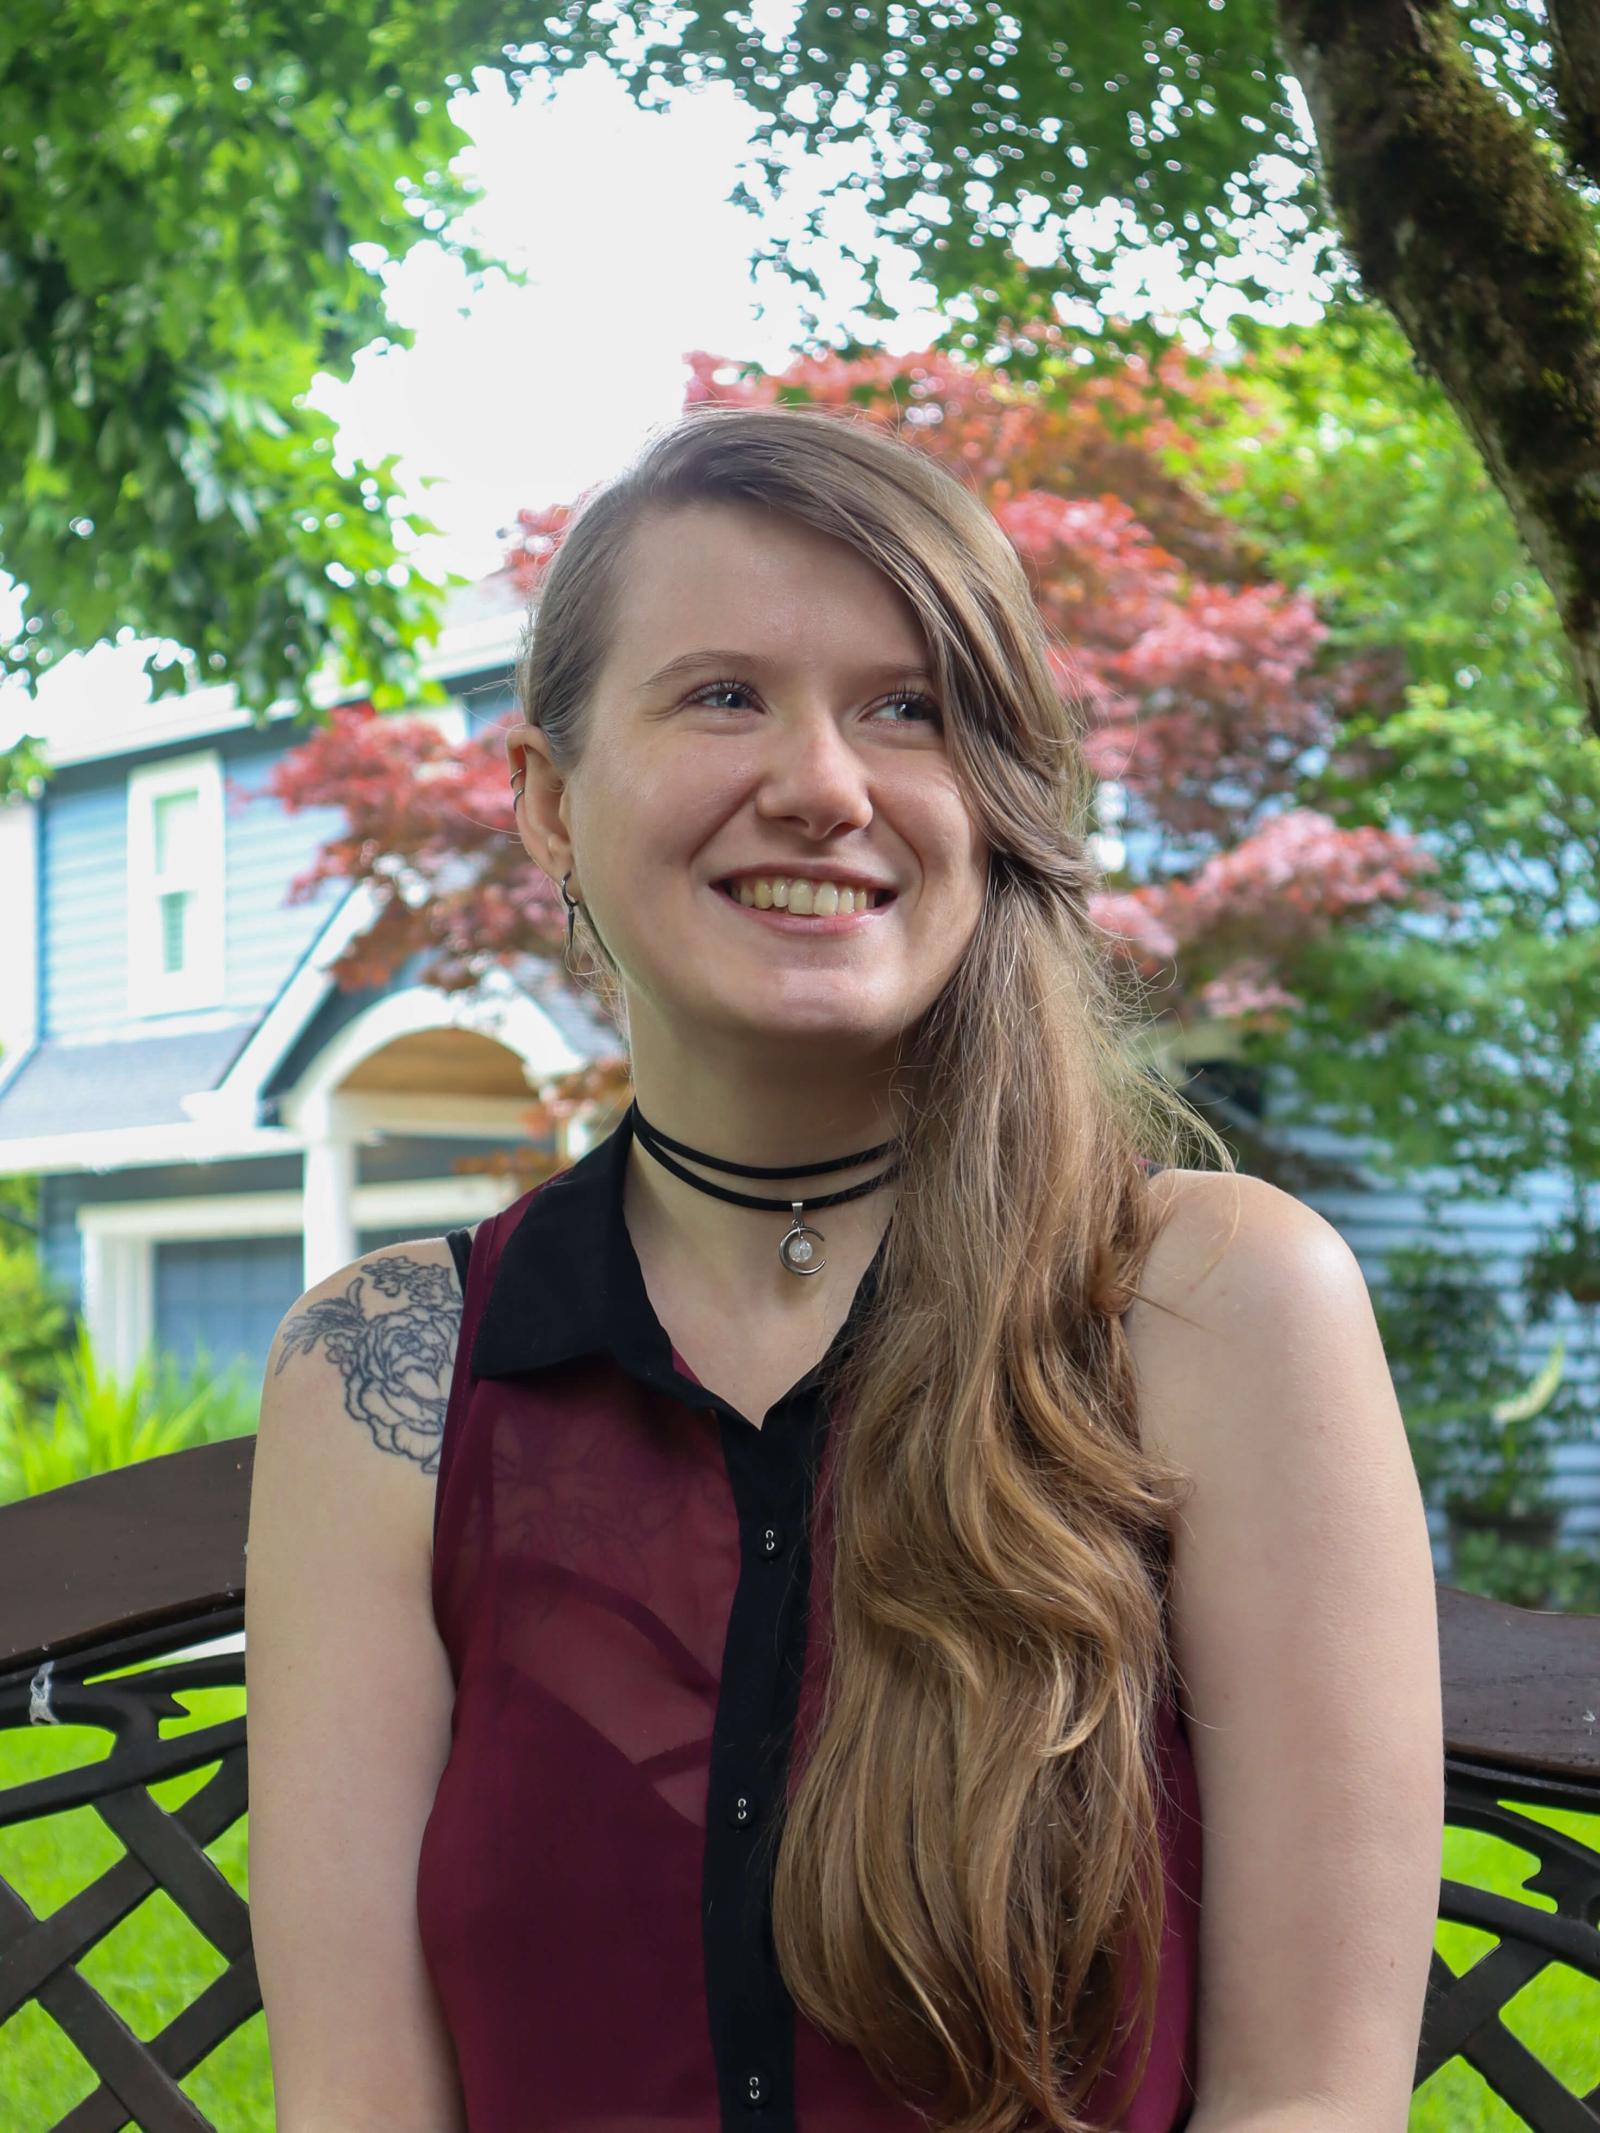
[734, 1250]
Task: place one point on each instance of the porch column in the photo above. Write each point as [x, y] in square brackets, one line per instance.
[117, 1297]
[328, 1189]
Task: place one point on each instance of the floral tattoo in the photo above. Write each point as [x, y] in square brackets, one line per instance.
[396, 1364]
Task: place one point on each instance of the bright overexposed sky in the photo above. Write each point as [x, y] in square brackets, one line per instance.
[633, 256]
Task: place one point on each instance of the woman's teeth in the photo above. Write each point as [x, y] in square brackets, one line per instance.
[817, 899]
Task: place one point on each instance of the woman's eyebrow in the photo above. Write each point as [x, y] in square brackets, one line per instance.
[686, 662]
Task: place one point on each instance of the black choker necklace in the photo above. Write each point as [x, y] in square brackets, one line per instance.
[797, 1250]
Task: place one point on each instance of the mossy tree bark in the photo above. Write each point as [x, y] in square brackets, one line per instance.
[1477, 234]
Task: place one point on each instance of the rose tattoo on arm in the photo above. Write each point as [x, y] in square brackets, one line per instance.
[396, 1363]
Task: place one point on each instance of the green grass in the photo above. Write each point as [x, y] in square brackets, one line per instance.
[148, 1967]
[155, 1960]
[1556, 2015]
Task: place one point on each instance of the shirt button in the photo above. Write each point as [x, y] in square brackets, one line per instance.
[771, 1541]
[743, 1810]
[755, 2091]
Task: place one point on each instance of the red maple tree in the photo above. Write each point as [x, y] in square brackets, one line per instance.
[1207, 689]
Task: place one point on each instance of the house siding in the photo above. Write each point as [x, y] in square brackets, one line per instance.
[1501, 1233]
[83, 942]
[83, 835]
[229, 1298]
[60, 1253]
[266, 848]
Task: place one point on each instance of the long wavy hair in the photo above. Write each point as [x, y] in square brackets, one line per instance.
[971, 1851]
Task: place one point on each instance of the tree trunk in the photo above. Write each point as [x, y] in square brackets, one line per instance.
[1464, 223]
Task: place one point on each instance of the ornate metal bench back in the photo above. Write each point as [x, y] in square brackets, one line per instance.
[1522, 1729]
[101, 1575]
[150, 1560]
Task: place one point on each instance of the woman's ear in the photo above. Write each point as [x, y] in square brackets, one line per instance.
[539, 808]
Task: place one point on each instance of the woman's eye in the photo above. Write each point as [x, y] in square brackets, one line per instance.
[718, 688]
[925, 705]
[914, 697]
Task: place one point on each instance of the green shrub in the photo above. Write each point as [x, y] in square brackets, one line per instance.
[98, 1422]
[1482, 1437]
[36, 1315]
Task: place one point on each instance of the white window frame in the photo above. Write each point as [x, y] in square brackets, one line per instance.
[152, 990]
[118, 1240]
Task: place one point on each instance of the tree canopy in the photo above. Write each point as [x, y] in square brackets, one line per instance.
[1451, 162]
[1453, 1044]
[196, 204]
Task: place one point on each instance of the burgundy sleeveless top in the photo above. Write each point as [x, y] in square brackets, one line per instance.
[622, 1580]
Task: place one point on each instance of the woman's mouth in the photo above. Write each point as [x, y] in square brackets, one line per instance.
[823, 924]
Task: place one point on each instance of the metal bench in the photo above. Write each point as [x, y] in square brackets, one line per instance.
[148, 1562]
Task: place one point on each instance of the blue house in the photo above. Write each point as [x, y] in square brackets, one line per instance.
[215, 1123]
[1323, 1165]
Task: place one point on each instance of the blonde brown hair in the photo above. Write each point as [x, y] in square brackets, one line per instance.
[972, 1846]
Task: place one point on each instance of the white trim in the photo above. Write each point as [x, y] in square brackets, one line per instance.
[117, 1297]
[327, 1189]
[316, 1109]
[133, 1147]
[432, 1203]
[157, 723]
[119, 1240]
[200, 875]
[373, 1116]
[466, 647]
[19, 900]
[138, 1147]
[223, 1128]
[497, 1008]
[232, 1104]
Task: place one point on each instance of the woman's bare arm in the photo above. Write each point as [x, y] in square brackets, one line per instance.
[349, 1701]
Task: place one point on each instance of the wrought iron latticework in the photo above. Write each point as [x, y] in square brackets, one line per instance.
[124, 1570]
[1464, 2018]
[133, 1567]
[40, 1957]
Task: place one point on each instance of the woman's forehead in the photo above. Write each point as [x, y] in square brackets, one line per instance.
[769, 589]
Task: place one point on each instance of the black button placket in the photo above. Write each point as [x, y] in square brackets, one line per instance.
[772, 1472]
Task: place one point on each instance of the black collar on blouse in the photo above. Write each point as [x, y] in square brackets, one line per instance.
[568, 1283]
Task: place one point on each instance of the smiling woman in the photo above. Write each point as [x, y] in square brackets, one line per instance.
[787, 648]
[824, 1651]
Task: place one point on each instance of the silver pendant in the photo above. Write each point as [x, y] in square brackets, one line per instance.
[797, 1251]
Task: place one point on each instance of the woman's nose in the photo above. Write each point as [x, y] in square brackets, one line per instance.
[812, 766]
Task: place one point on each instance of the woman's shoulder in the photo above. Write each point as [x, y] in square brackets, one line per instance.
[1218, 1227]
[1195, 1206]
[1234, 1257]
[375, 1343]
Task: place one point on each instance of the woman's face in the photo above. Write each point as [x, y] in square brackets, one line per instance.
[824, 756]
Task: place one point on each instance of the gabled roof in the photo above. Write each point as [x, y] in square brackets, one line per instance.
[139, 1080]
[208, 1093]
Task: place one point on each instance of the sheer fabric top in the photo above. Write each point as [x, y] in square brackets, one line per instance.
[622, 1578]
